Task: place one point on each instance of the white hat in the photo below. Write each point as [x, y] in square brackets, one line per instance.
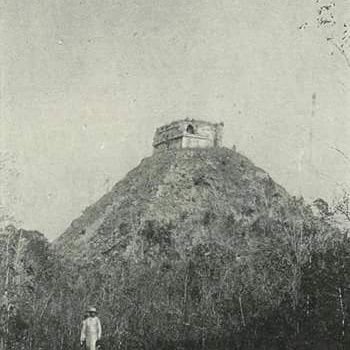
[92, 309]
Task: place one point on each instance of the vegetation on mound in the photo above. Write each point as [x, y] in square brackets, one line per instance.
[197, 249]
[199, 192]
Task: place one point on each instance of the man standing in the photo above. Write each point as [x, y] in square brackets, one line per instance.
[91, 331]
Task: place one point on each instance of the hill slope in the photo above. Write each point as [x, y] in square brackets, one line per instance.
[197, 249]
[200, 193]
[192, 247]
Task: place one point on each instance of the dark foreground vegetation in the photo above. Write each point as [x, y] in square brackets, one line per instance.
[200, 251]
[285, 291]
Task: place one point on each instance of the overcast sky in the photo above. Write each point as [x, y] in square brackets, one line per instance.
[85, 83]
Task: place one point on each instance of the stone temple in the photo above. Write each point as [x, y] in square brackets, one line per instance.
[188, 133]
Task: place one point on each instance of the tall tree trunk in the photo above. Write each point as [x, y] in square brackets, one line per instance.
[241, 310]
[341, 302]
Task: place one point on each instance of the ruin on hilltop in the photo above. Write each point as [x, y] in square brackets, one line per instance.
[188, 133]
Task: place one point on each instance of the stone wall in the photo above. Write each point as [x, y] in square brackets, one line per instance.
[188, 133]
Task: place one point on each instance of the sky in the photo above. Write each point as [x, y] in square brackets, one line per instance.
[85, 83]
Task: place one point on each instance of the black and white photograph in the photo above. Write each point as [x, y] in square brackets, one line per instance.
[174, 175]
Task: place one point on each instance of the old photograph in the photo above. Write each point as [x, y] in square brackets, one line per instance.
[174, 175]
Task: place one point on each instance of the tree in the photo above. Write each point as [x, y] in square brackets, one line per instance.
[335, 32]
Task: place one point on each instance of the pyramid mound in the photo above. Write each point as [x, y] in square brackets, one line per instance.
[193, 246]
[197, 194]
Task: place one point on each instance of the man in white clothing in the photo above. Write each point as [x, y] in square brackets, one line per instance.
[91, 331]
